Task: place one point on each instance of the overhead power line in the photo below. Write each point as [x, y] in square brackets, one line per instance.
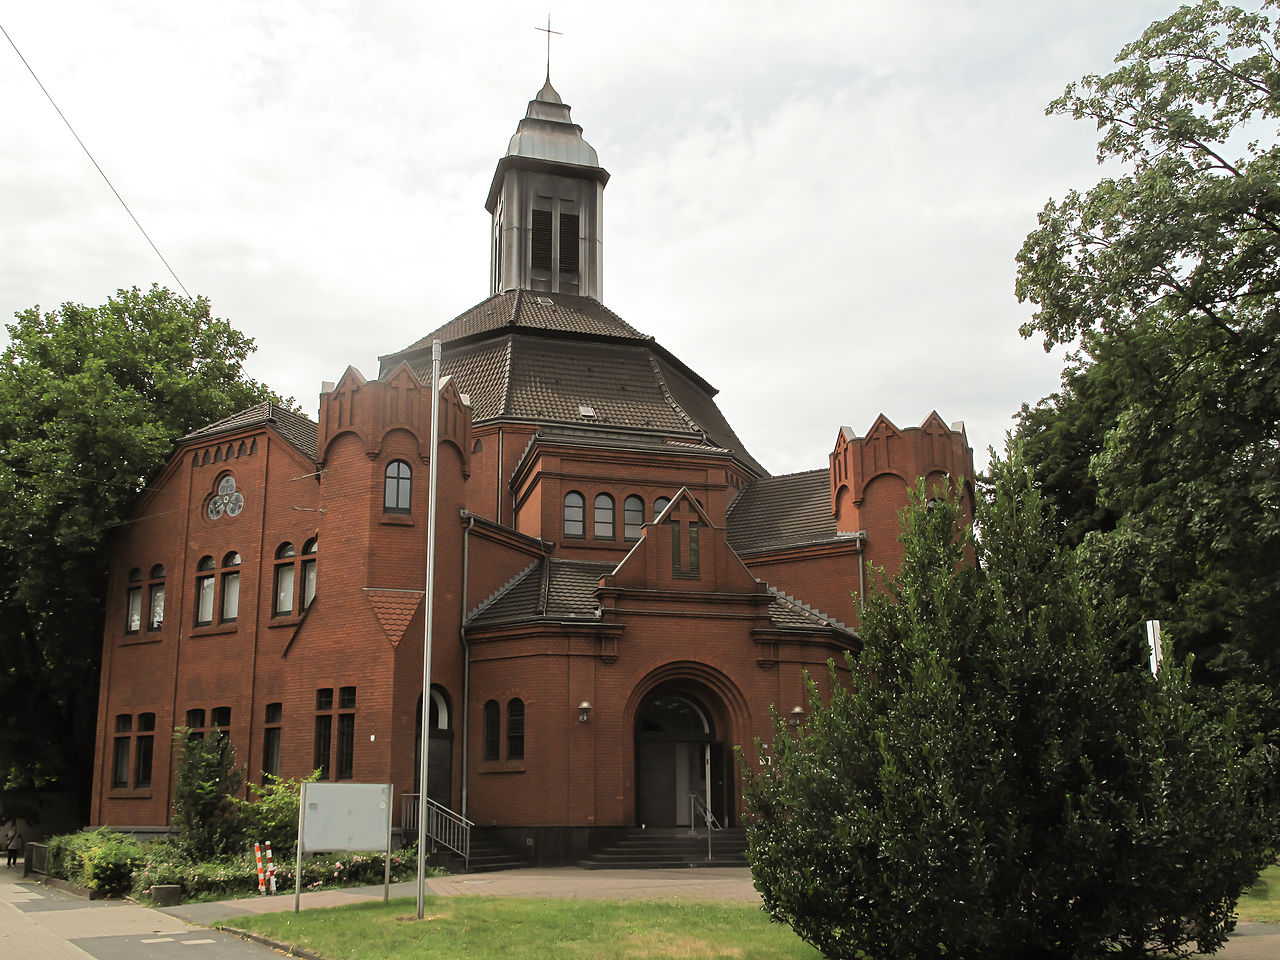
[105, 178]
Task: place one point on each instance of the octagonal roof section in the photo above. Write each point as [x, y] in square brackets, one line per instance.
[548, 133]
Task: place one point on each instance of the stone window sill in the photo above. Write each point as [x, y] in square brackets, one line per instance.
[214, 630]
[503, 766]
[135, 639]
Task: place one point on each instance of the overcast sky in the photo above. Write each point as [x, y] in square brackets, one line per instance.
[815, 205]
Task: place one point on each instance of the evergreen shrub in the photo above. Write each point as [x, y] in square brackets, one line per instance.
[999, 774]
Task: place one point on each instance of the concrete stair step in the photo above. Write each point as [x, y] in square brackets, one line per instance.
[668, 848]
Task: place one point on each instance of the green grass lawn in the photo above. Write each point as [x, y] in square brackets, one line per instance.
[1261, 902]
[515, 928]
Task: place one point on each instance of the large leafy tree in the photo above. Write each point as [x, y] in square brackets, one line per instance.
[1162, 449]
[93, 399]
[1003, 777]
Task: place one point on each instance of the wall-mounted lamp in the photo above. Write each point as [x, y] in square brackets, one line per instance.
[584, 711]
[797, 716]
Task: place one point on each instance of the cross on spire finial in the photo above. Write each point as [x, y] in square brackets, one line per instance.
[548, 31]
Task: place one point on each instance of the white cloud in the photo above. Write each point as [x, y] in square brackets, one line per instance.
[816, 206]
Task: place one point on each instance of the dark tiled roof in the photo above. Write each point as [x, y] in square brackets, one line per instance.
[787, 611]
[298, 429]
[777, 512]
[625, 385]
[530, 310]
[481, 371]
[551, 589]
[702, 409]
[542, 357]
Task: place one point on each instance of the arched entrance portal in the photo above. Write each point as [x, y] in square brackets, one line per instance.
[680, 762]
[440, 756]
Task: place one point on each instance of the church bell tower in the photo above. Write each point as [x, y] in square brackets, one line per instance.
[546, 201]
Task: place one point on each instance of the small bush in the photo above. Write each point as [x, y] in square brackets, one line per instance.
[101, 860]
[273, 816]
[206, 814]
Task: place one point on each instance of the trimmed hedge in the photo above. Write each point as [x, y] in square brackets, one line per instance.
[102, 860]
[116, 864]
[238, 876]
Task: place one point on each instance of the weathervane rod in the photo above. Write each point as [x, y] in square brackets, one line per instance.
[548, 31]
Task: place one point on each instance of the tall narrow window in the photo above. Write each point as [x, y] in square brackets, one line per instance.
[603, 529]
[133, 606]
[155, 599]
[568, 243]
[575, 514]
[284, 580]
[659, 505]
[632, 517]
[120, 752]
[491, 731]
[346, 733]
[324, 731]
[221, 718]
[271, 741]
[204, 591]
[146, 750]
[230, 587]
[540, 252]
[309, 550]
[515, 729]
[399, 485]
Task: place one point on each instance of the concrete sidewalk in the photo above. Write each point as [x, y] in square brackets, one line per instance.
[726, 884]
[36, 922]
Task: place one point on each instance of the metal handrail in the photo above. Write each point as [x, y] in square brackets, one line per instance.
[697, 805]
[444, 827]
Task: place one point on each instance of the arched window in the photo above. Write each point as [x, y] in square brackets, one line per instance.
[284, 580]
[575, 514]
[399, 485]
[204, 592]
[515, 729]
[632, 517]
[309, 550]
[155, 599]
[230, 587]
[491, 732]
[603, 529]
[659, 505]
[133, 602]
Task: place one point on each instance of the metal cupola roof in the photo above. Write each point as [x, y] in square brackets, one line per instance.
[548, 133]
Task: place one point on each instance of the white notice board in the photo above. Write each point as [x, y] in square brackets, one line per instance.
[344, 816]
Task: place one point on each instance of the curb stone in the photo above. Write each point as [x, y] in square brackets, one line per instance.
[288, 949]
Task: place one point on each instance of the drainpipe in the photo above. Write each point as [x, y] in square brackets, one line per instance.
[466, 656]
[862, 565]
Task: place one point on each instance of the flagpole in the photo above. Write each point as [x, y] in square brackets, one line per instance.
[424, 730]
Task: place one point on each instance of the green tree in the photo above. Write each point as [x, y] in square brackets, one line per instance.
[1003, 776]
[1162, 449]
[207, 816]
[93, 399]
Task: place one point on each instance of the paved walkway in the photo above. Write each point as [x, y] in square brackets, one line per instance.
[38, 922]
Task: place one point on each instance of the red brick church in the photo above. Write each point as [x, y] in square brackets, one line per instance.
[622, 591]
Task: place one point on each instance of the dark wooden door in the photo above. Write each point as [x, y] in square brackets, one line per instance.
[656, 783]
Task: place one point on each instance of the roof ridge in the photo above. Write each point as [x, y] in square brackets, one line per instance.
[544, 592]
[500, 592]
[506, 379]
[803, 606]
[798, 473]
[670, 398]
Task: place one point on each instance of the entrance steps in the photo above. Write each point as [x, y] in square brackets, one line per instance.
[667, 847]
[488, 853]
